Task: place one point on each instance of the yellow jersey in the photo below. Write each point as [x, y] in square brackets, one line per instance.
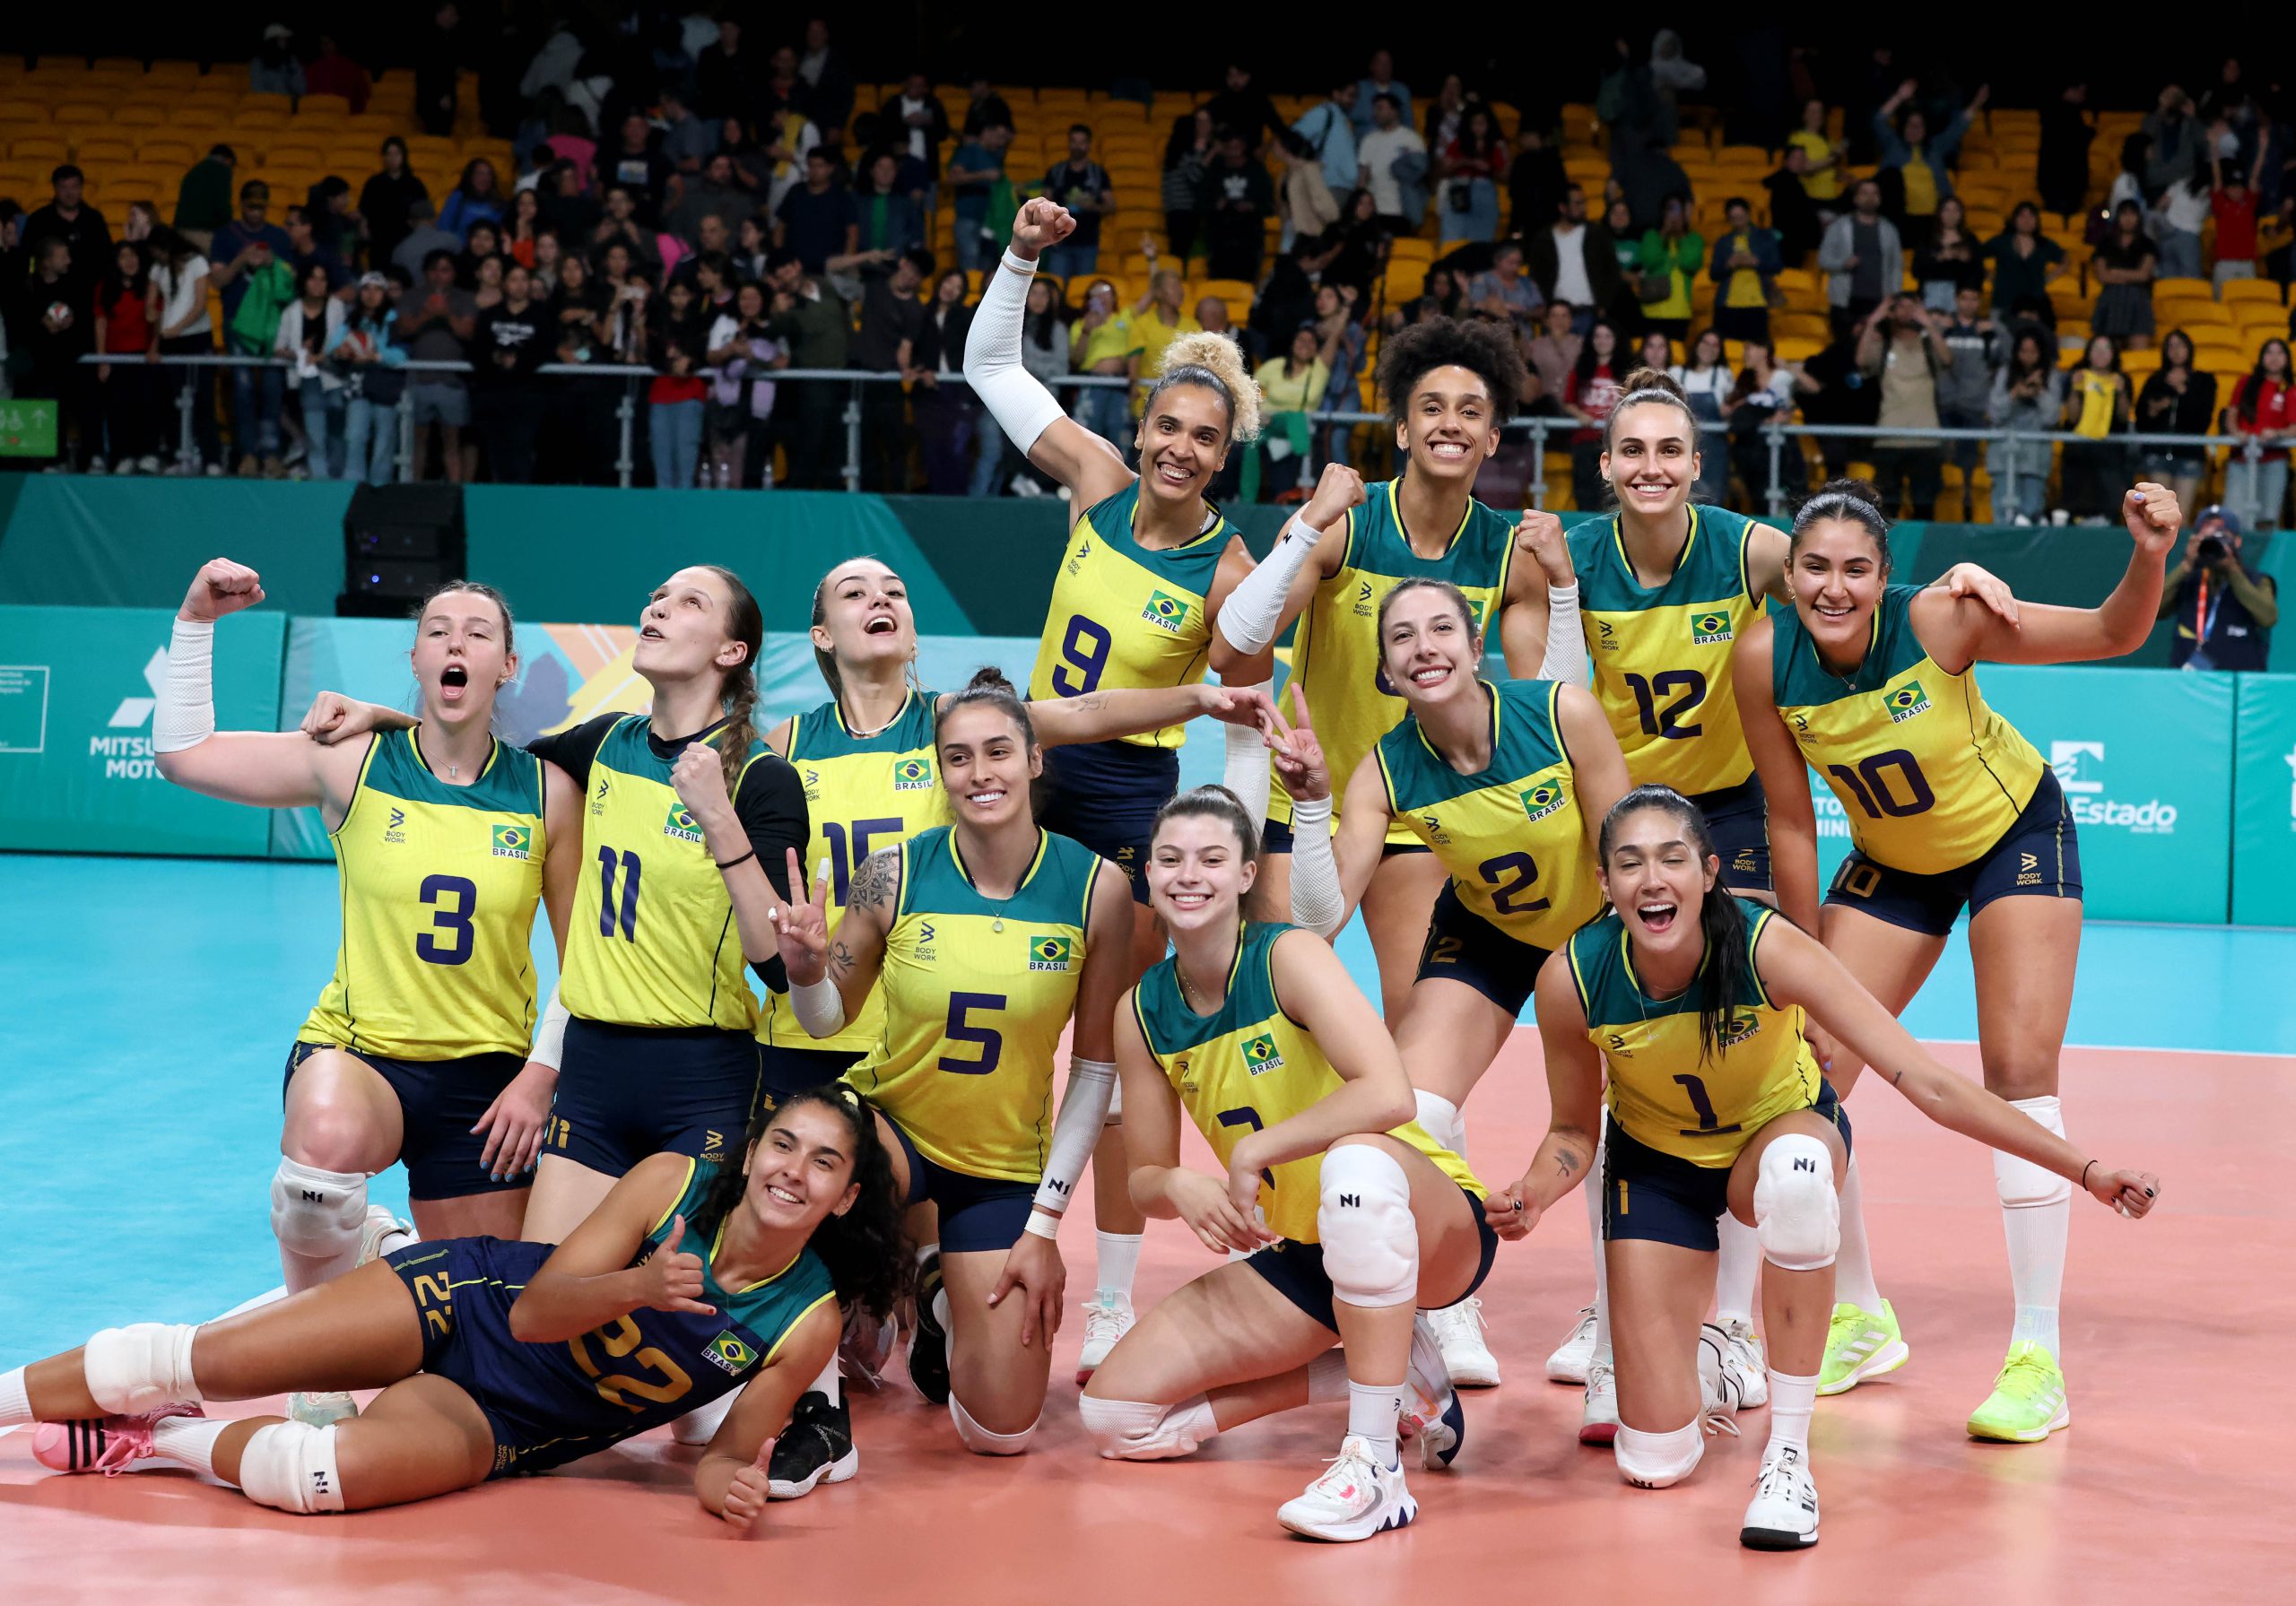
[862, 793]
[1249, 1065]
[1663, 1090]
[653, 941]
[1513, 836]
[1929, 774]
[439, 885]
[1661, 655]
[1127, 615]
[977, 992]
[1336, 655]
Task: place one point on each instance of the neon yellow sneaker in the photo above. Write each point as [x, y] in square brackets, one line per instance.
[2028, 1402]
[1860, 1345]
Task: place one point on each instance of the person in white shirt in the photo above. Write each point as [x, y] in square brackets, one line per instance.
[1706, 382]
[1375, 156]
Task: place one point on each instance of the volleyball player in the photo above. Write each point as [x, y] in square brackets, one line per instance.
[445, 839]
[1873, 686]
[692, 1281]
[1356, 1215]
[1693, 1000]
[988, 935]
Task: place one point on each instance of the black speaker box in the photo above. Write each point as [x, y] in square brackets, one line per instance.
[400, 542]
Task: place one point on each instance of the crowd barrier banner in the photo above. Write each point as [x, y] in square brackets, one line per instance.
[2263, 803]
[77, 690]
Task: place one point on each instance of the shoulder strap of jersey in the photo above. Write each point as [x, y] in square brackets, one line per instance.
[1758, 918]
[1592, 931]
[900, 893]
[685, 1186]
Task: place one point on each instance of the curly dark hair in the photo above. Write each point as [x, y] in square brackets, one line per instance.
[866, 1254]
[1487, 351]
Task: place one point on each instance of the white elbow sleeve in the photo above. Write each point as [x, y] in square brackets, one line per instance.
[185, 715]
[1077, 1129]
[1566, 641]
[550, 1034]
[1244, 772]
[1254, 611]
[1315, 901]
[819, 1006]
[1018, 402]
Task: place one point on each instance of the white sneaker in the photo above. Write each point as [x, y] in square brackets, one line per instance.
[376, 1235]
[1743, 1345]
[1784, 1513]
[1432, 1414]
[322, 1410]
[1107, 1317]
[1598, 1422]
[147, 465]
[1567, 1364]
[96, 464]
[1722, 1383]
[1354, 1498]
[1460, 1329]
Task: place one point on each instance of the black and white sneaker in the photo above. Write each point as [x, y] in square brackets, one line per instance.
[816, 1447]
[1784, 1513]
[929, 1346]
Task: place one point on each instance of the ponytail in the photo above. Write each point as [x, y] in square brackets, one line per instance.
[738, 693]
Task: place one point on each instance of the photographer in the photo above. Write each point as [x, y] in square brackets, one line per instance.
[1901, 350]
[2224, 615]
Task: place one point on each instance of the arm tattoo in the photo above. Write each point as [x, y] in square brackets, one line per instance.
[841, 959]
[1566, 1162]
[873, 883]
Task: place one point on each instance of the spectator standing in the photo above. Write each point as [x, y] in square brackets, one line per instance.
[2026, 262]
[1764, 391]
[1915, 172]
[677, 349]
[1238, 199]
[1188, 152]
[2123, 267]
[1535, 183]
[619, 224]
[424, 236]
[1380, 80]
[1365, 242]
[244, 247]
[1823, 157]
[787, 139]
[1082, 186]
[1503, 294]
[435, 325]
[983, 106]
[2264, 412]
[1392, 160]
[203, 198]
[439, 60]
[917, 122]
[1291, 385]
[829, 81]
[1342, 342]
[2097, 406]
[477, 198]
[1155, 322]
[638, 164]
[2233, 204]
[306, 250]
[1244, 108]
[1044, 353]
[333, 73]
[1469, 168]
[309, 328]
[2173, 141]
[2028, 397]
[726, 76]
[509, 343]
[890, 219]
[1965, 385]
[1901, 351]
[712, 194]
[947, 416]
[1555, 352]
[1745, 271]
[1574, 262]
[819, 220]
[186, 328]
[1707, 384]
[274, 71]
[1836, 390]
[1793, 215]
[69, 218]
[2177, 399]
[375, 377]
[891, 318]
[814, 324]
[1327, 134]
[1590, 395]
[2187, 205]
[1862, 258]
[2224, 612]
[1672, 255]
[125, 306]
[975, 170]
[1101, 343]
[1948, 260]
[2067, 130]
[688, 141]
[59, 329]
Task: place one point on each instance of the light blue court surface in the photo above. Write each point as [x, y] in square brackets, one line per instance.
[150, 1004]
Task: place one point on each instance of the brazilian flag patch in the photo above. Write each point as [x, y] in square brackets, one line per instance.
[912, 775]
[1260, 1054]
[1165, 610]
[729, 1355]
[1543, 799]
[512, 841]
[1711, 629]
[1050, 953]
[1739, 1028]
[1907, 701]
[682, 824]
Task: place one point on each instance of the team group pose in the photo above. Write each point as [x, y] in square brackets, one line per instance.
[659, 1188]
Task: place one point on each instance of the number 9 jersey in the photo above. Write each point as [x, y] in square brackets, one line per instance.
[439, 885]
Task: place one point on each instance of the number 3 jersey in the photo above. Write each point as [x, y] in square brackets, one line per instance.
[977, 992]
[549, 1403]
[1249, 1066]
[1929, 774]
[439, 885]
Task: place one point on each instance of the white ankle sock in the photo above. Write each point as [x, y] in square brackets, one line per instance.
[1594, 1192]
[1372, 1409]
[2037, 1235]
[1792, 1400]
[1327, 1377]
[1853, 1266]
[1739, 1265]
[15, 1406]
[189, 1441]
[941, 1307]
[1118, 1260]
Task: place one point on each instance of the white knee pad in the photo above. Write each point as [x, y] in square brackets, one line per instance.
[1439, 1117]
[317, 1213]
[1797, 1214]
[980, 1441]
[290, 1466]
[1657, 1460]
[130, 1370]
[1130, 1431]
[2022, 1185]
[1371, 1242]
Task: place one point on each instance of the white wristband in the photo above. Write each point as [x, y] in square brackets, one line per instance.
[550, 1034]
[1254, 611]
[1245, 771]
[185, 714]
[1046, 1228]
[1566, 641]
[1025, 266]
[819, 1006]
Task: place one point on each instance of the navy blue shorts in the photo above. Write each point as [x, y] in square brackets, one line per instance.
[1277, 837]
[1461, 946]
[978, 1214]
[1738, 818]
[1649, 1194]
[628, 1092]
[1105, 795]
[783, 1070]
[438, 1103]
[1296, 1269]
[2039, 855]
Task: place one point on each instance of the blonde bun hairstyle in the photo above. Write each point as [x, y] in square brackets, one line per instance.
[1216, 364]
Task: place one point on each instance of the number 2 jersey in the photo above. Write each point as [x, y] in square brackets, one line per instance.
[1928, 774]
[549, 1403]
[1247, 1066]
[439, 884]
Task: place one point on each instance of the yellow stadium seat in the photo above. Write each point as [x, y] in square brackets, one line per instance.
[2183, 289]
[171, 74]
[16, 110]
[38, 147]
[2217, 356]
[108, 148]
[141, 115]
[2252, 291]
[268, 112]
[323, 106]
[79, 114]
[167, 150]
[2196, 312]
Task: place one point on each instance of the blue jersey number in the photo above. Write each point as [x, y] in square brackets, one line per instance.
[961, 1031]
[1877, 795]
[452, 924]
[1687, 687]
[1085, 648]
[1248, 1117]
[842, 865]
[1510, 876]
[630, 870]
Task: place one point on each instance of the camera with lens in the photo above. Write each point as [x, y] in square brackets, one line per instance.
[2211, 548]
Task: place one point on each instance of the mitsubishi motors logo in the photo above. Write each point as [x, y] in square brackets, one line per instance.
[134, 712]
[126, 750]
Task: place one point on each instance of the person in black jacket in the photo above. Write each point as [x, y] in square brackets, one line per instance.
[439, 57]
[1589, 246]
[2178, 399]
[948, 418]
[512, 340]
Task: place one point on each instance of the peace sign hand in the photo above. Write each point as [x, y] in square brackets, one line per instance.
[1299, 756]
[802, 925]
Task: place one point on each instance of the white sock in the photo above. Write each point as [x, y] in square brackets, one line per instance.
[1734, 1277]
[1327, 1377]
[1438, 1117]
[1594, 1192]
[1118, 1260]
[189, 1441]
[941, 1307]
[830, 1383]
[398, 1238]
[1792, 1400]
[1372, 1409]
[15, 1405]
[1853, 1266]
[2036, 1234]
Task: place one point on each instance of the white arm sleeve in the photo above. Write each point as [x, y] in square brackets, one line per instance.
[1245, 772]
[1018, 402]
[1084, 1111]
[819, 1006]
[550, 1034]
[185, 715]
[1254, 611]
[1566, 641]
[1315, 901]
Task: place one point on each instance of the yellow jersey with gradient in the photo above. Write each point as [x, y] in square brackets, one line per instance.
[1249, 1065]
[977, 993]
[1512, 835]
[1663, 1091]
[1336, 655]
[1124, 615]
[439, 885]
[862, 794]
[654, 941]
[1661, 655]
[1929, 774]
